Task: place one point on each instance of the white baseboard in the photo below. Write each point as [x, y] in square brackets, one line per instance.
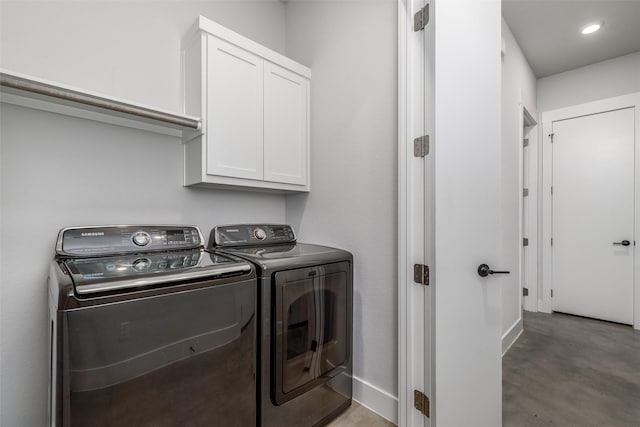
[511, 335]
[375, 399]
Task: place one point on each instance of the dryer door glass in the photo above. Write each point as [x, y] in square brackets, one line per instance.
[310, 322]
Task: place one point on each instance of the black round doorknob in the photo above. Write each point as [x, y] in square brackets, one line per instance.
[622, 243]
[484, 270]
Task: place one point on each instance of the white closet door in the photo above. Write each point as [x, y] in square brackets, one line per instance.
[285, 125]
[234, 111]
[593, 213]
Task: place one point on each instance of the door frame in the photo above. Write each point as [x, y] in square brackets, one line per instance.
[547, 118]
[415, 302]
[528, 225]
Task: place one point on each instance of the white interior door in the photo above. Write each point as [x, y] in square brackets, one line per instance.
[593, 214]
[468, 327]
[449, 214]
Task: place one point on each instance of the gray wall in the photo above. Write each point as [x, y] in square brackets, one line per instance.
[352, 48]
[518, 89]
[606, 79]
[127, 49]
[58, 171]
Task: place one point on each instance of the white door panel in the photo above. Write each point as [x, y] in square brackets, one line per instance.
[449, 79]
[593, 207]
[467, 156]
[285, 126]
[234, 111]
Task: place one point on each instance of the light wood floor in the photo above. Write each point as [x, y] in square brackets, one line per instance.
[359, 416]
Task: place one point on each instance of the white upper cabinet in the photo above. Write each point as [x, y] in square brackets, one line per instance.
[254, 105]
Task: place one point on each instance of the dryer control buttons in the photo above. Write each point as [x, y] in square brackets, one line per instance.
[259, 234]
[141, 238]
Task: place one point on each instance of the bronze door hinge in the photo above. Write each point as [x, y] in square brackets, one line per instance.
[421, 274]
[421, 402]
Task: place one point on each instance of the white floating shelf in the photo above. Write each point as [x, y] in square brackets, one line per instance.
[40, 94]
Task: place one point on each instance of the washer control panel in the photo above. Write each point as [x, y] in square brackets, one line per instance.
[259, 234]
[251, 235]
[93, 241]
[141, 238]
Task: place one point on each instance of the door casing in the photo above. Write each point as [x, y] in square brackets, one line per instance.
[415, 307]
[529, 210]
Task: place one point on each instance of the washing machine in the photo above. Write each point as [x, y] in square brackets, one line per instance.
[148, 329]
[305, 296]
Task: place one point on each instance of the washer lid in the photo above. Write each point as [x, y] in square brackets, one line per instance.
[128, 271]
[278, 257]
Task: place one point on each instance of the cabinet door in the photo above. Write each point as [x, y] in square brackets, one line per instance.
[285, 125]
[234, 111]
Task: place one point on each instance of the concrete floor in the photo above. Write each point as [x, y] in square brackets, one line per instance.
[572, 371]
[359, 416]
[563, 371]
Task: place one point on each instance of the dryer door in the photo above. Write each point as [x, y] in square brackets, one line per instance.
[310, 328]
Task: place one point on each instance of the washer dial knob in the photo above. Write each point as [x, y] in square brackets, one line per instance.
[141, 264]
[141, 238]
[259, 234]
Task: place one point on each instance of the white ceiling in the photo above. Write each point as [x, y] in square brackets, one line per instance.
[548, 31]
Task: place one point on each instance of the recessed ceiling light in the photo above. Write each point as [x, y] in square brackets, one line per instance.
[591, 28]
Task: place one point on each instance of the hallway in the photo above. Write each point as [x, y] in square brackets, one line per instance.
[572, 371]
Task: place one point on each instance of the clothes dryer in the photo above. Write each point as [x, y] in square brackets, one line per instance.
[305, 296]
